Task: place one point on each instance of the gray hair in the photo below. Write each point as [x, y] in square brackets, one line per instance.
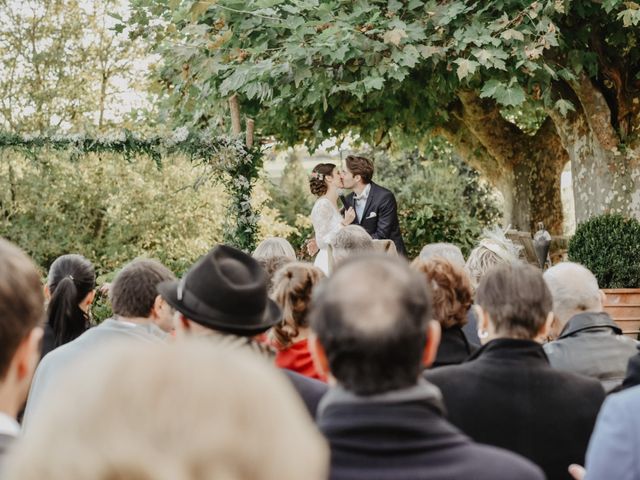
[181, 421]
[493, 250]
[574, 289]
[274, 247]
[351, 240]
[448, 251]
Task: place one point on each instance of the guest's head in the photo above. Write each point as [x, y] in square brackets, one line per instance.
[324, 178]
[514, 302]
[134, 293]
[70, 291]
[187, 411]
[448, 251]
[224, 292]
[21, 312]
[271, 265]
[292, 289]
[574, 290]
[358, 172]
[350, 241]
[274, 247]
[451, 292]
[494, 249]
[371, 320]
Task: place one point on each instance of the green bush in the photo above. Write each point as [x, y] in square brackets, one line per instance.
[440, 198]
[109, 210]
[609, 246]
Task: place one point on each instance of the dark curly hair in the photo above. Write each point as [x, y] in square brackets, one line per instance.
[317, 182]
[450, 288]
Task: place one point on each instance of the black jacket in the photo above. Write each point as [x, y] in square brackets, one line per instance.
[592, 344]
[454, 348]
[309, 389]
[632, 376]
[407, 439]
[508, 395]
[380, 216]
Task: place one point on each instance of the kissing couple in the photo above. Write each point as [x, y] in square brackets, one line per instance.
[369, 205]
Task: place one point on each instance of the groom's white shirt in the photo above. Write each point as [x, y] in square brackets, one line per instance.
[360, 201]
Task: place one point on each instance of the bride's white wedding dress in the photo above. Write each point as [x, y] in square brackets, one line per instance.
[326, 222]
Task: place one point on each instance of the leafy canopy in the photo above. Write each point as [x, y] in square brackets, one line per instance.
[312, 68]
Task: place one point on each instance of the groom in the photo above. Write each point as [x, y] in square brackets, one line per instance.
[375, 206]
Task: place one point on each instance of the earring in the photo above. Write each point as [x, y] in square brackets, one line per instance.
[483, 333]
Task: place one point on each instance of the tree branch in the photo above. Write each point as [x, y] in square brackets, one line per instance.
[501, 138]
[596, 110]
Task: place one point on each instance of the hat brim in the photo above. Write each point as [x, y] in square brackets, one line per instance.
[272, 314]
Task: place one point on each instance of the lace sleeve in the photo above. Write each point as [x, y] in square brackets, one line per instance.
[326, 222]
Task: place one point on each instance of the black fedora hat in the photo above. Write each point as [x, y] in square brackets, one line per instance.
[225, 290]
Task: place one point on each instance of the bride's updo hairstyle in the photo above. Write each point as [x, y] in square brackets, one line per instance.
[317, 182]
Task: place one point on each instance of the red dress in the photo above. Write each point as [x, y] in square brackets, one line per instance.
[297, 357]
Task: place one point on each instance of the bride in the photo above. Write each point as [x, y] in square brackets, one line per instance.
[326, 218]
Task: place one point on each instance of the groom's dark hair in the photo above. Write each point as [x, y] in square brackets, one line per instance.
[371, 319]
[360, 166]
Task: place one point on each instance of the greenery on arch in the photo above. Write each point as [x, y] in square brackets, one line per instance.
[227, 161]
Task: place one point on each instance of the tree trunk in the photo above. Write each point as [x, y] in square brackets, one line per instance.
[525, 169]
[605, 174]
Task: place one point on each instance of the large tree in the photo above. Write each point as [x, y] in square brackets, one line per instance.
[62, 67]
[397, 71]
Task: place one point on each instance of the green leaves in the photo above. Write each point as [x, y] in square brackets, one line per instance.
[466, 67]
[508, 95]
[307, 68]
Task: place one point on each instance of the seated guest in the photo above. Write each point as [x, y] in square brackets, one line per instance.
[349, 241]
[448, 251]
[271, 265]
[293, 286]
[451, 298]
[614, 445]
[632, 375]
[21, 311]
[274, 247]
[494, 249]
[588, 341]
[70, 293]
[139, 315]
[178, 412]
[507, 394]
[223, 297]
[382, 420]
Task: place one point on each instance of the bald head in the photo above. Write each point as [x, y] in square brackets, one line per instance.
[371, 319]
[574, 290]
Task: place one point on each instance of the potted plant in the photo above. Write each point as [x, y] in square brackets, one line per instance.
[609, 246]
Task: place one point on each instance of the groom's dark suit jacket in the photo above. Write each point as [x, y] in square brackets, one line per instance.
[380, 216]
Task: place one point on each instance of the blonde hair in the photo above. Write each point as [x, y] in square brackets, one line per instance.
[188, 411]
[292, 288]
[494, 249]
[274, 247]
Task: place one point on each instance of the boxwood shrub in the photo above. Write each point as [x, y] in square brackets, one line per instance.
[609, 246]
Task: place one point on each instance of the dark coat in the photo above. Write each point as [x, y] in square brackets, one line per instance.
[592, 344]
[309, 389]
[380, 216]
[508, 395]
[632, 376]
[409, 440]
[454, 348]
